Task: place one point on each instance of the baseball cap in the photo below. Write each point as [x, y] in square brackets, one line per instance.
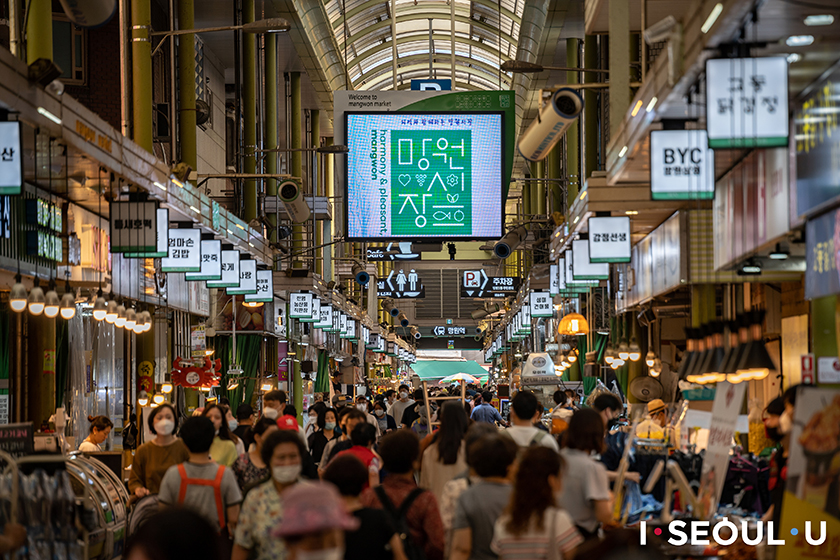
[287, 422]
[656, 405]
[312, 507]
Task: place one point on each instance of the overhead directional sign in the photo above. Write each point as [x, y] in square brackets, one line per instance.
[393, 251]
[476, 284]
[400, 284]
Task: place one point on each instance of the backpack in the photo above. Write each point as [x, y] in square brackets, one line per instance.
[217, 490]
[412, 550]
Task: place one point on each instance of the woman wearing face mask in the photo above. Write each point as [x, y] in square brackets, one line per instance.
[100, 427]
[233, 423]
[223, 450]
[249, 467]
[386, 421]
[152, 459]
[327, 431]
[264, 506]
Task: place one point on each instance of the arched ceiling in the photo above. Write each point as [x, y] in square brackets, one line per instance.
[485, 37]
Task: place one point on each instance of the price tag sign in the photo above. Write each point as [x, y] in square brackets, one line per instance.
[541, 305]
[247, 279]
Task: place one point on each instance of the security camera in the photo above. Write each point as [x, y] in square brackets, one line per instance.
[389, 307]
[479, 314]
[479, 330]
[361, 275]
[291, 194]
[552, 122]
[479, 334]
[56, 87]
[403, 319]
[415, 332]
[505, 246]
[661, 30]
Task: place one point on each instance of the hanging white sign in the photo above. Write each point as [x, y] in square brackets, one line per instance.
[211, 262]
[134, 227]
[561, 274]
[300, 305]
[325, 321]
[747, 102]
[682, 166]
[541, 305]
[265, 287]
[571, 282]
[316, 310]
[584, 268]
[351, 330]
[230, 271]
[342, 325]
[161, 238]
[11, 162]
[554, 280]
[609, 239]
[184, 251]
[247, 279]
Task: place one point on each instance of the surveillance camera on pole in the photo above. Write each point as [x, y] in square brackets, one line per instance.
[479, 334]
[505, 246]
[361, 275]
[661, 30]
[415, 332]
[479, 314]
[403, 320]
[551, 123]
[389, 307]
[291, 193]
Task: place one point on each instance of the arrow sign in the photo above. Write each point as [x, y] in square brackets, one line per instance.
[440, 331]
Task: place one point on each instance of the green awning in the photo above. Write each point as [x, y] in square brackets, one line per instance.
[432, 370]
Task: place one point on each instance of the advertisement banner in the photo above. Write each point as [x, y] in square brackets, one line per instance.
[822, 275]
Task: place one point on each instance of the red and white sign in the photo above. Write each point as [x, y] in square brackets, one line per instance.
[828, 370]
[808, 369]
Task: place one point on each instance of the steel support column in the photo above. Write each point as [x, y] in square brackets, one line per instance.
[186, 84]
[141, 75]
[572, 135]
[249, 105]
[315, 142]
[590, 110]
[619, 23]
[272, 137]
[39, 43]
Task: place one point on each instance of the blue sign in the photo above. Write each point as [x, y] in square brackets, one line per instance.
[431, 85]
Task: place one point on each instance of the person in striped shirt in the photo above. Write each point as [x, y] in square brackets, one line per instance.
[533, 527]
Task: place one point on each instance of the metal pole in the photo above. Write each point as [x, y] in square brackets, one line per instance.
[237, 98]
[431, 49]
[452, 37]
[315, 142]
[39, 43]
[272, 136]
[173, 98]
[393, 41]
[14, 28]
[329, 166]
[590, 107]
[186, 84]
[296, 157]
[644, 44]
[572, 135]
[249, 100]
[123, 58]
[141, 65]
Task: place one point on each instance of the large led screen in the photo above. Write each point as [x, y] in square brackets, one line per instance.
[415, 175]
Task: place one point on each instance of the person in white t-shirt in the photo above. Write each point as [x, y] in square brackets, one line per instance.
[100, 428]
[523, 411]
[533, 524]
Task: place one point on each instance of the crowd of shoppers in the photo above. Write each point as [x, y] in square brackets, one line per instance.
[474, 487]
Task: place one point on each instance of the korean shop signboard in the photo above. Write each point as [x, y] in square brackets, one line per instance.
[247, 279]
[11, 160]
[609, 239]
[184, 250]
[134, 228]
[230, 271]
[746, 102]
[822, 275]
[682, 167]
[265, 288]
[583, 268]
[300, 306]
[211, 262]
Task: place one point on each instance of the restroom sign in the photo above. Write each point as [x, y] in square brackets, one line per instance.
[541, 305]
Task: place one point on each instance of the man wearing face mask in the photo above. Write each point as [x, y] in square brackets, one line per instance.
[273, 404]
[399, 407]
[362, 405]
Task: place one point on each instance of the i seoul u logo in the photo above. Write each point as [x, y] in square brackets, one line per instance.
[725, 533]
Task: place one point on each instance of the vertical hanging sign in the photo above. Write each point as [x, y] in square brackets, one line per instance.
[230, 271]
[134, 227]
[609, 240]
[184, 251]
[211, 262]
[247, 279]
[682, 167]
[265, 288]
[541, 304]
[161, 238]
[300, 305]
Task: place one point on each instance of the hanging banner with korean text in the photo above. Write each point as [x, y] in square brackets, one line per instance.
[325, 322]
[609, 240]
[682, 166]
[316, 310]
[247, 279]
[134, 227]
[584, 268]
[11, 162]
[161, 238]
[746, 102]
[541, 305]
[184, 251]
[230, 271]
[300, 305]
[822, 272]
[265, 288]
[211, 262]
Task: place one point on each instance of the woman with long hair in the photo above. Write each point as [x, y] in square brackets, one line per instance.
[153, 458]
[100, 428]
[249, 468]
[586, 494]
[327, 431]
[445, 458]
[223, 450]
[533, 525]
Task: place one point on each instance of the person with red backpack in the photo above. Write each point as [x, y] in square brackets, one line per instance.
[201, 484]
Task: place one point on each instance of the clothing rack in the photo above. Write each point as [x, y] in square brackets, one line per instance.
[427, 400]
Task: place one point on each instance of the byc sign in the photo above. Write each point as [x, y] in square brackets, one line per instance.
[725, 533]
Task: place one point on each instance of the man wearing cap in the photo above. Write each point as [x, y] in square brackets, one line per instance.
[655, 427]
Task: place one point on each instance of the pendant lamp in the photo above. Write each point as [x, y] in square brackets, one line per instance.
[18, 296]
[36, 299]
[731, 366]
[756, 363]
[119, 322]
[51, 304]
[573, 324]
[690, 352]
[635, 353]
[693, 374]
[68, 303]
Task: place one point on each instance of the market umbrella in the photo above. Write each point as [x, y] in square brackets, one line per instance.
[460, 377]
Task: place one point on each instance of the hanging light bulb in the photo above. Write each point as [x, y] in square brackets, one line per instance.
[609, 354]
[143, 398]
[656, 370]
[166, 388]
[623, 351]
[572, 356]
[68, 303]
[650, 358]
[36, 299]
[138, 323]
[17, 297]
[616, 364]
[713, 362]
[51, 304]
[158, 398]
[694, 375]
[635, 352]
[111, 312]
[119, 322]
[130, 319]
[99, 307]
[147, 317]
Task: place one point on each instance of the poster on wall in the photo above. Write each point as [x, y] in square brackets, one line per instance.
[813, 476]
[682, 166]
[424, 175]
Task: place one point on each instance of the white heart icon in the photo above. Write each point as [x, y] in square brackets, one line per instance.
[405, 179]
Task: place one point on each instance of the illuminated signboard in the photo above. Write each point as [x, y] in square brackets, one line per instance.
[184, 251]
[421, 175]
[134, 228]
[211, 262]
[609, 240]
[247, 279]
[265, 288]
[682, 167]
[230, 271]
[11, 162]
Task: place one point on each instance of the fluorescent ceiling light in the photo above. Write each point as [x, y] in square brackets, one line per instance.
[637, 108]
[651, 105]
[49, 115]
[194, 209]
[819, 19]
[632, 212]
[577, 219]
[161, 186]
[799, 40]
[622, 152]
[710, 21]
[794, 57]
